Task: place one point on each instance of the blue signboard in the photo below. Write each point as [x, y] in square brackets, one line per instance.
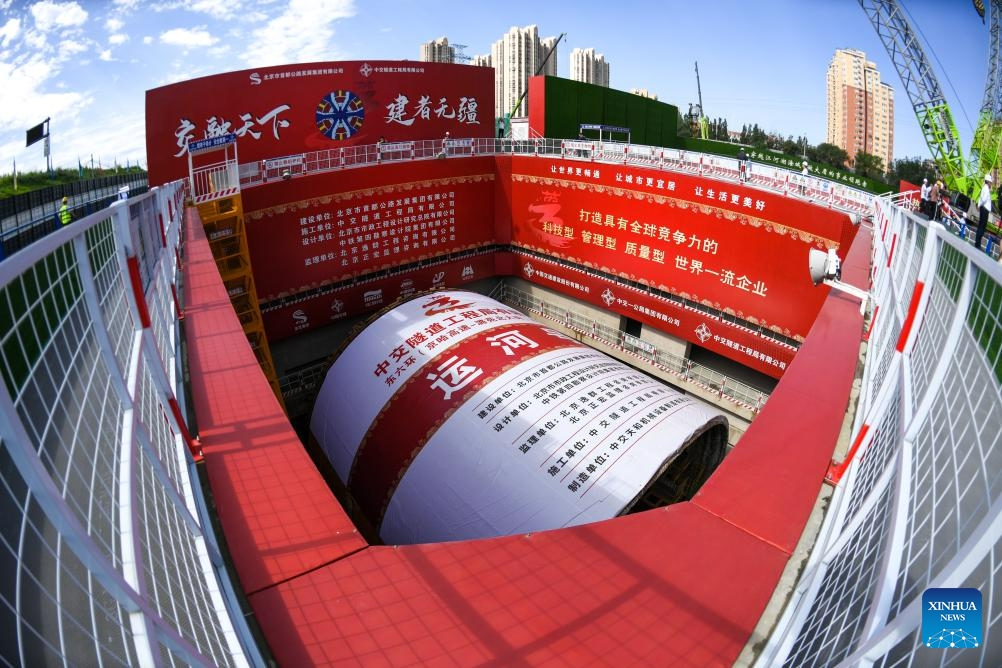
[211, 142]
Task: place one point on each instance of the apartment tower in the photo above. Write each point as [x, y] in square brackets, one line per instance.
[516, 57]
[860, 107]
[438, 51]
[589, 67]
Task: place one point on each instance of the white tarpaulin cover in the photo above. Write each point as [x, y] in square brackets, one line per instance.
[453, 416]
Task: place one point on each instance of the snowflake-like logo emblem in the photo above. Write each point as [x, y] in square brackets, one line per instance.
[340, 114]
[337, 305]
[365, 69]
[528, 269]
[608, 297]
[703, 332]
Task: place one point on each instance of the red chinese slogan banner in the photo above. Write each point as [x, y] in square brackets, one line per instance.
[291, 109]
[330, 227]
[328, 306]
[742, 345]
[733, 248]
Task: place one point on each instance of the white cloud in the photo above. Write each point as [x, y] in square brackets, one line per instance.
[118, 38]
[9, 31]
[147, 40]
[301, 33]
[188, 37]
[114, 25]
[105, 55]
[23, 82]
[69, 48]
[52, 15]
[217, 9]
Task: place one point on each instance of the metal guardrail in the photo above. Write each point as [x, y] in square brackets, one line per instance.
[819, 190]
[920, 503]
[110, 556]
[27, 218]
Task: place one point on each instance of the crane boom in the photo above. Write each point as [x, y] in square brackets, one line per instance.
[922, 88]
[987, 142]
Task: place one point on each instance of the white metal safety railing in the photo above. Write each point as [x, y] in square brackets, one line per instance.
[683, 369]
[110, 559]
[920, 503]
[771, 172]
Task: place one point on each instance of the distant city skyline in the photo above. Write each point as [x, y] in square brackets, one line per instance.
[87, 65]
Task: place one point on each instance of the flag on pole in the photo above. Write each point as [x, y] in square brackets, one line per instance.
[79, 168]
[15, 173]
[979, 6]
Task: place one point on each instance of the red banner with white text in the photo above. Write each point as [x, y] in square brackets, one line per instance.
[313, 231]
[742, 345]
[326, 306]
[292, 109]
[731, 247]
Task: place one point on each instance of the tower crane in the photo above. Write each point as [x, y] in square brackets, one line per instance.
[934, 116]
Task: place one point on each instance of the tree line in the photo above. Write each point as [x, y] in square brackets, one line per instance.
[865, 164]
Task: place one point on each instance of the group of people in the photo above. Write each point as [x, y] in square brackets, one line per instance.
[932, 198]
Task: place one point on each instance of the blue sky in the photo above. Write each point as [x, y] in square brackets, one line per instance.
[87, 64]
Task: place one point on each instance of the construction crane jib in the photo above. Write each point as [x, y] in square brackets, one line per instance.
[926, 97]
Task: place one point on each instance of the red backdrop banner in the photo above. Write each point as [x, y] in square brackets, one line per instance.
[732, 341]
[327, 306]
[291, 109]
[733, 248]
[312, 231]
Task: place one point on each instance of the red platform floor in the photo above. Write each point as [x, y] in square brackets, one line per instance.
[678, 586]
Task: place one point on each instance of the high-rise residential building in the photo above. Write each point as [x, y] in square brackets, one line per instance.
[438, 51]
[589, 67]
[643, 92]
[860, 107]
[516, 57]
[481, 60]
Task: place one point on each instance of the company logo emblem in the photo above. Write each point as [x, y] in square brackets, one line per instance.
[529, 269]
[365, 69]
[373, 297]
[255, 79]
[337, 305]
[340, 114]
[951, 618]
[608, 296]
[438, 278]
[406, 287]
[467, 272]
[302, 320]
[703, 332]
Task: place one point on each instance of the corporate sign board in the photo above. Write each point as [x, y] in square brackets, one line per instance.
[333, 226]
[287, 109]
[736, 249]
[741, 344]
[453, 416]
[327, 305]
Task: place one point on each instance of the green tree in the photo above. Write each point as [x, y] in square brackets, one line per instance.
[912, 170]
[830, 154]
[869, 165]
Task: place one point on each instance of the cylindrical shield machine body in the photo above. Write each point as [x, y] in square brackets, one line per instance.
[453, 416]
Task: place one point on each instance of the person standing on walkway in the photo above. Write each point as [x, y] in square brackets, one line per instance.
[924, 198]
[803, 178]
[934, 200]
[984, 208]
[742, 165]
[64, 212]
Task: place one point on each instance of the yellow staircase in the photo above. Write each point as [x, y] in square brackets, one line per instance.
[223, 221]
